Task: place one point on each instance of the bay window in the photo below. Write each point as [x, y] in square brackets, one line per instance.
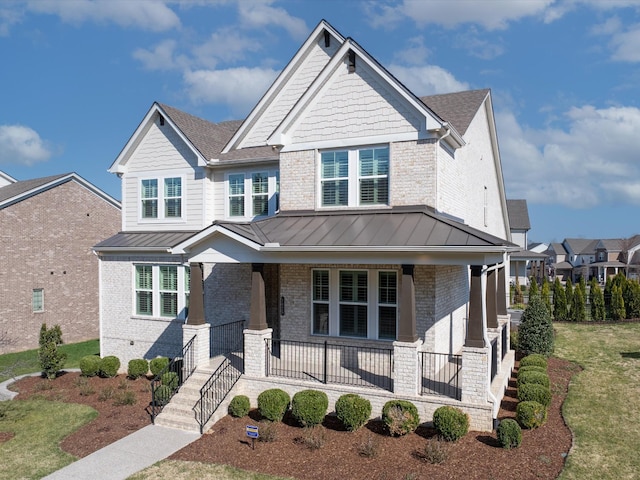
[354, 177]
[160, 292]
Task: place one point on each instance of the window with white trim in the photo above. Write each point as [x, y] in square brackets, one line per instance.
[37, 300]
[161, 203]
[354, 177]
[162, 290]
[355, 303]
[252, 194]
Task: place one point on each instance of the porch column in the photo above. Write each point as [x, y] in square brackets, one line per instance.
[407, 372]
[258, 314]
[255, 363]
[196, 326]
[477, 314]
[407, 321]
[492, 300]
[502, 292]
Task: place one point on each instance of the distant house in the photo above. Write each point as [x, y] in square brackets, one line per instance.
[524, 262]
[48, 271]
[358, 233]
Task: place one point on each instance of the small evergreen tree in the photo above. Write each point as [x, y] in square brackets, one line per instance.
[582, 285]
[608, 286]
[597, 302]
[560, 312]
[517, 293]
[533, 287]
[535, 334]
[577, 312]
[617, 304]
[568, 293]
[51, 359]
[631, 297]
[545, 293]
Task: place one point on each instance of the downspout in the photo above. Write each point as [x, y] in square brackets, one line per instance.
[447, 129]
[485, 333]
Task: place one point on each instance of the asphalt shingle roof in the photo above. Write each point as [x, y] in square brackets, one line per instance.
[457, 108]
[18, 188]
[518, 215]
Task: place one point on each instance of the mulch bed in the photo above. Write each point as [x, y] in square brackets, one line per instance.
[475, 456]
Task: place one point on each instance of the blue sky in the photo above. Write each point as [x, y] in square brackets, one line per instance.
[77, 77]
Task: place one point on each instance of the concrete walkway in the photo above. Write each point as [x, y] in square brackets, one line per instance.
[123, 458]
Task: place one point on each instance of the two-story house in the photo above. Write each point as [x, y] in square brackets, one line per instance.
[359, 231]
[524, 262]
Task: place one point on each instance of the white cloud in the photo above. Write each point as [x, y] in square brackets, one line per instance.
[152, 15]
[10, 15]
[593, 159]
[22, 145]
[239, 88]
[626, 45]
[161, 57]
[227, 45]
[260, 13]
[427, 80]
[415, 53]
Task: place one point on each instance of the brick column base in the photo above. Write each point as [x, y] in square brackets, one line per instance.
[201, 343]
[406, 367]
[254, 347]
[475, 374]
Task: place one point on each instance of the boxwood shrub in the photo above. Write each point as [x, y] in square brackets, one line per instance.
[353, 411]
[509, 433]
[138, 367]
[531, 414]
[109, 366]
[451, 423]
[162, 394]
[531, 368]
[309, 407]
[273, 404]
[534, 359]
[90, 365]
[532, 392]
[400, 416]
[170, 379]
[239, 406]
[156, 365]
[538, 378]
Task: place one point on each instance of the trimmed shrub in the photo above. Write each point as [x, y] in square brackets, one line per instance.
[509, 433]
[90, 365]
[309, 407]
[539, 378]
[109, 366]
[353, 411]
[239, 406]
[162, 394]
[137, 367]
[531, 368]
[451, 423]
[531, 414]
[170, 379]
[156, 365]
[273, 404]
[50, 358]
[532, 392]
[534, 359]
[535, 333]
[400, 416]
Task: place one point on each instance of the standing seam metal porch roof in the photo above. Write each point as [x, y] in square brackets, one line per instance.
[143, 241]
[397, 227]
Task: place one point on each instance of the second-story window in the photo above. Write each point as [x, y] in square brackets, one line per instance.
[354, 177]
[161, 203]
[252, 194]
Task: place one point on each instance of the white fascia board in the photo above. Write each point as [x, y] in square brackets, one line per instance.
[184, 247]
[430, 123]
[271, 93]
[358, 141]
[119, 165]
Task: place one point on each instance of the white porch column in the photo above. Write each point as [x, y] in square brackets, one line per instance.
[476, 362]
[407, 371]
[202, 332]
[255, 364]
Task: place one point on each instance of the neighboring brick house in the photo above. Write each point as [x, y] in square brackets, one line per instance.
[343, 215]
[48, 271]
[524, 262]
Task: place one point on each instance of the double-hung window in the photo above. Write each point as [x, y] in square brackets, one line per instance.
[37, 300]
[162, 290]
[354, 177]
[252, 194]
[355, 303]
[161, 198]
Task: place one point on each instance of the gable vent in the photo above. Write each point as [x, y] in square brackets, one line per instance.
[161, 120]
[352, 61]
[327, 39]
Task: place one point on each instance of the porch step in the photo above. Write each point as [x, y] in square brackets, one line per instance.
[183, 409]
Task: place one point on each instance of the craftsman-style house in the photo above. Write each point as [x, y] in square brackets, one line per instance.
[359, 233]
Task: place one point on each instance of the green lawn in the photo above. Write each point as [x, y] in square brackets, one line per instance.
[13, 364]
[603, 405]
[39, 426]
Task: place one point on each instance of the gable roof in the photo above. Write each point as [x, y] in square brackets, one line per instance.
[581, 246]
[518, 215]
[457, 108]
[6, 179]
[21, 190]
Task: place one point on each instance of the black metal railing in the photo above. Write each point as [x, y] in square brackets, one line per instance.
[330, 363]
[170, 379]
[441, 374]
[505, 341]
[226, 338]
[215, 390]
